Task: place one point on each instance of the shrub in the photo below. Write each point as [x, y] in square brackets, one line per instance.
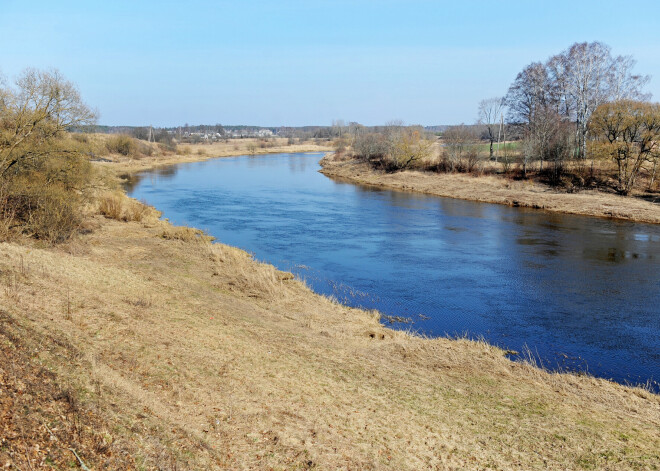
[144, 149]
[340, 147]
[398, 148]
[184, 150]
[81, 137]
[372, 146]
[166, 148]
[43, 210]
[43, 172]
[121, 144]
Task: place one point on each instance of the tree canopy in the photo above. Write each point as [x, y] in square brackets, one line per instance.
[34, 115]
[628, 132]
[572, 84]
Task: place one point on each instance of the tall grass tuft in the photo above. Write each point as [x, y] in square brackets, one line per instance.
[121, 208]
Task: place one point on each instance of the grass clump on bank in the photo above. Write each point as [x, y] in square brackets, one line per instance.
[115, 205]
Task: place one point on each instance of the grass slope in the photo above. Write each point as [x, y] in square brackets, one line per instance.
[185, 354]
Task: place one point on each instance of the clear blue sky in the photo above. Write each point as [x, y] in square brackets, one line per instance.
[295, 63]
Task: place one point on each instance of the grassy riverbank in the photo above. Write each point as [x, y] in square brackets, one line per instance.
[159, 156]
[498, 189]
[143, 345]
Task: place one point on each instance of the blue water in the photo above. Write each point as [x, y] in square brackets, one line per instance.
[581, 293]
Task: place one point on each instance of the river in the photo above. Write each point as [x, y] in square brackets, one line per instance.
[579, 293]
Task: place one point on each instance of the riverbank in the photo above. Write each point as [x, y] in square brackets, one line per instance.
[166, 351]
[497, 189]
[186, 153]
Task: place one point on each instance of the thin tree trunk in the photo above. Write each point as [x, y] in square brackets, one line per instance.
[655, 163]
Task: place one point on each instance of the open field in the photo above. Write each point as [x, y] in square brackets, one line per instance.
[510, 147]
[164, 351]
[498, 189]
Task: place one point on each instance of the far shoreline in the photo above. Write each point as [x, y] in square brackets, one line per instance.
[120, 165]
[496, 190]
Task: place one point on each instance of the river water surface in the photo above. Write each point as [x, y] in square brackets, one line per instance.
[581, 293]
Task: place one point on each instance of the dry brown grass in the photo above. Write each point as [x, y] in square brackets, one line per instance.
[184, 234]
[500, 190]
[120, 164]
[116, 205]
[202, 358]
[111, 206]
[42, 422]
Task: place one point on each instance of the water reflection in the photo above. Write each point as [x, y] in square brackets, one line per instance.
[131, 181]
[579, 291]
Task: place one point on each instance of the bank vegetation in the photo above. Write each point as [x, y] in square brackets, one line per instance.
[129, 343]
[570, 135]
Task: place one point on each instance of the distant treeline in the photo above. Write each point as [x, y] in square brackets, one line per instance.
[304, 132]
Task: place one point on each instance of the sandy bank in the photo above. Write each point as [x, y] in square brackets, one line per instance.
[495, 189]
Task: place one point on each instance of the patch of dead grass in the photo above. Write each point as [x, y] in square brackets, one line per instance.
[116, 205]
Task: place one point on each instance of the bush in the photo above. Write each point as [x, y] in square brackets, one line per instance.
[44, 173]
[184, 150]
[43, 210]
[122, 144]
[165, 148]
[398, 148]
[83, 138]
[144, 150]
[369, 147]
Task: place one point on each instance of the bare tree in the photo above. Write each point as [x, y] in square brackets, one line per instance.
[587, 76]
[338, 126]
[588, 69]
[489, 116]
[623, 84]
[460, 151]
[41, 108]
[355, 129]
[573, 84]
[530, 91]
